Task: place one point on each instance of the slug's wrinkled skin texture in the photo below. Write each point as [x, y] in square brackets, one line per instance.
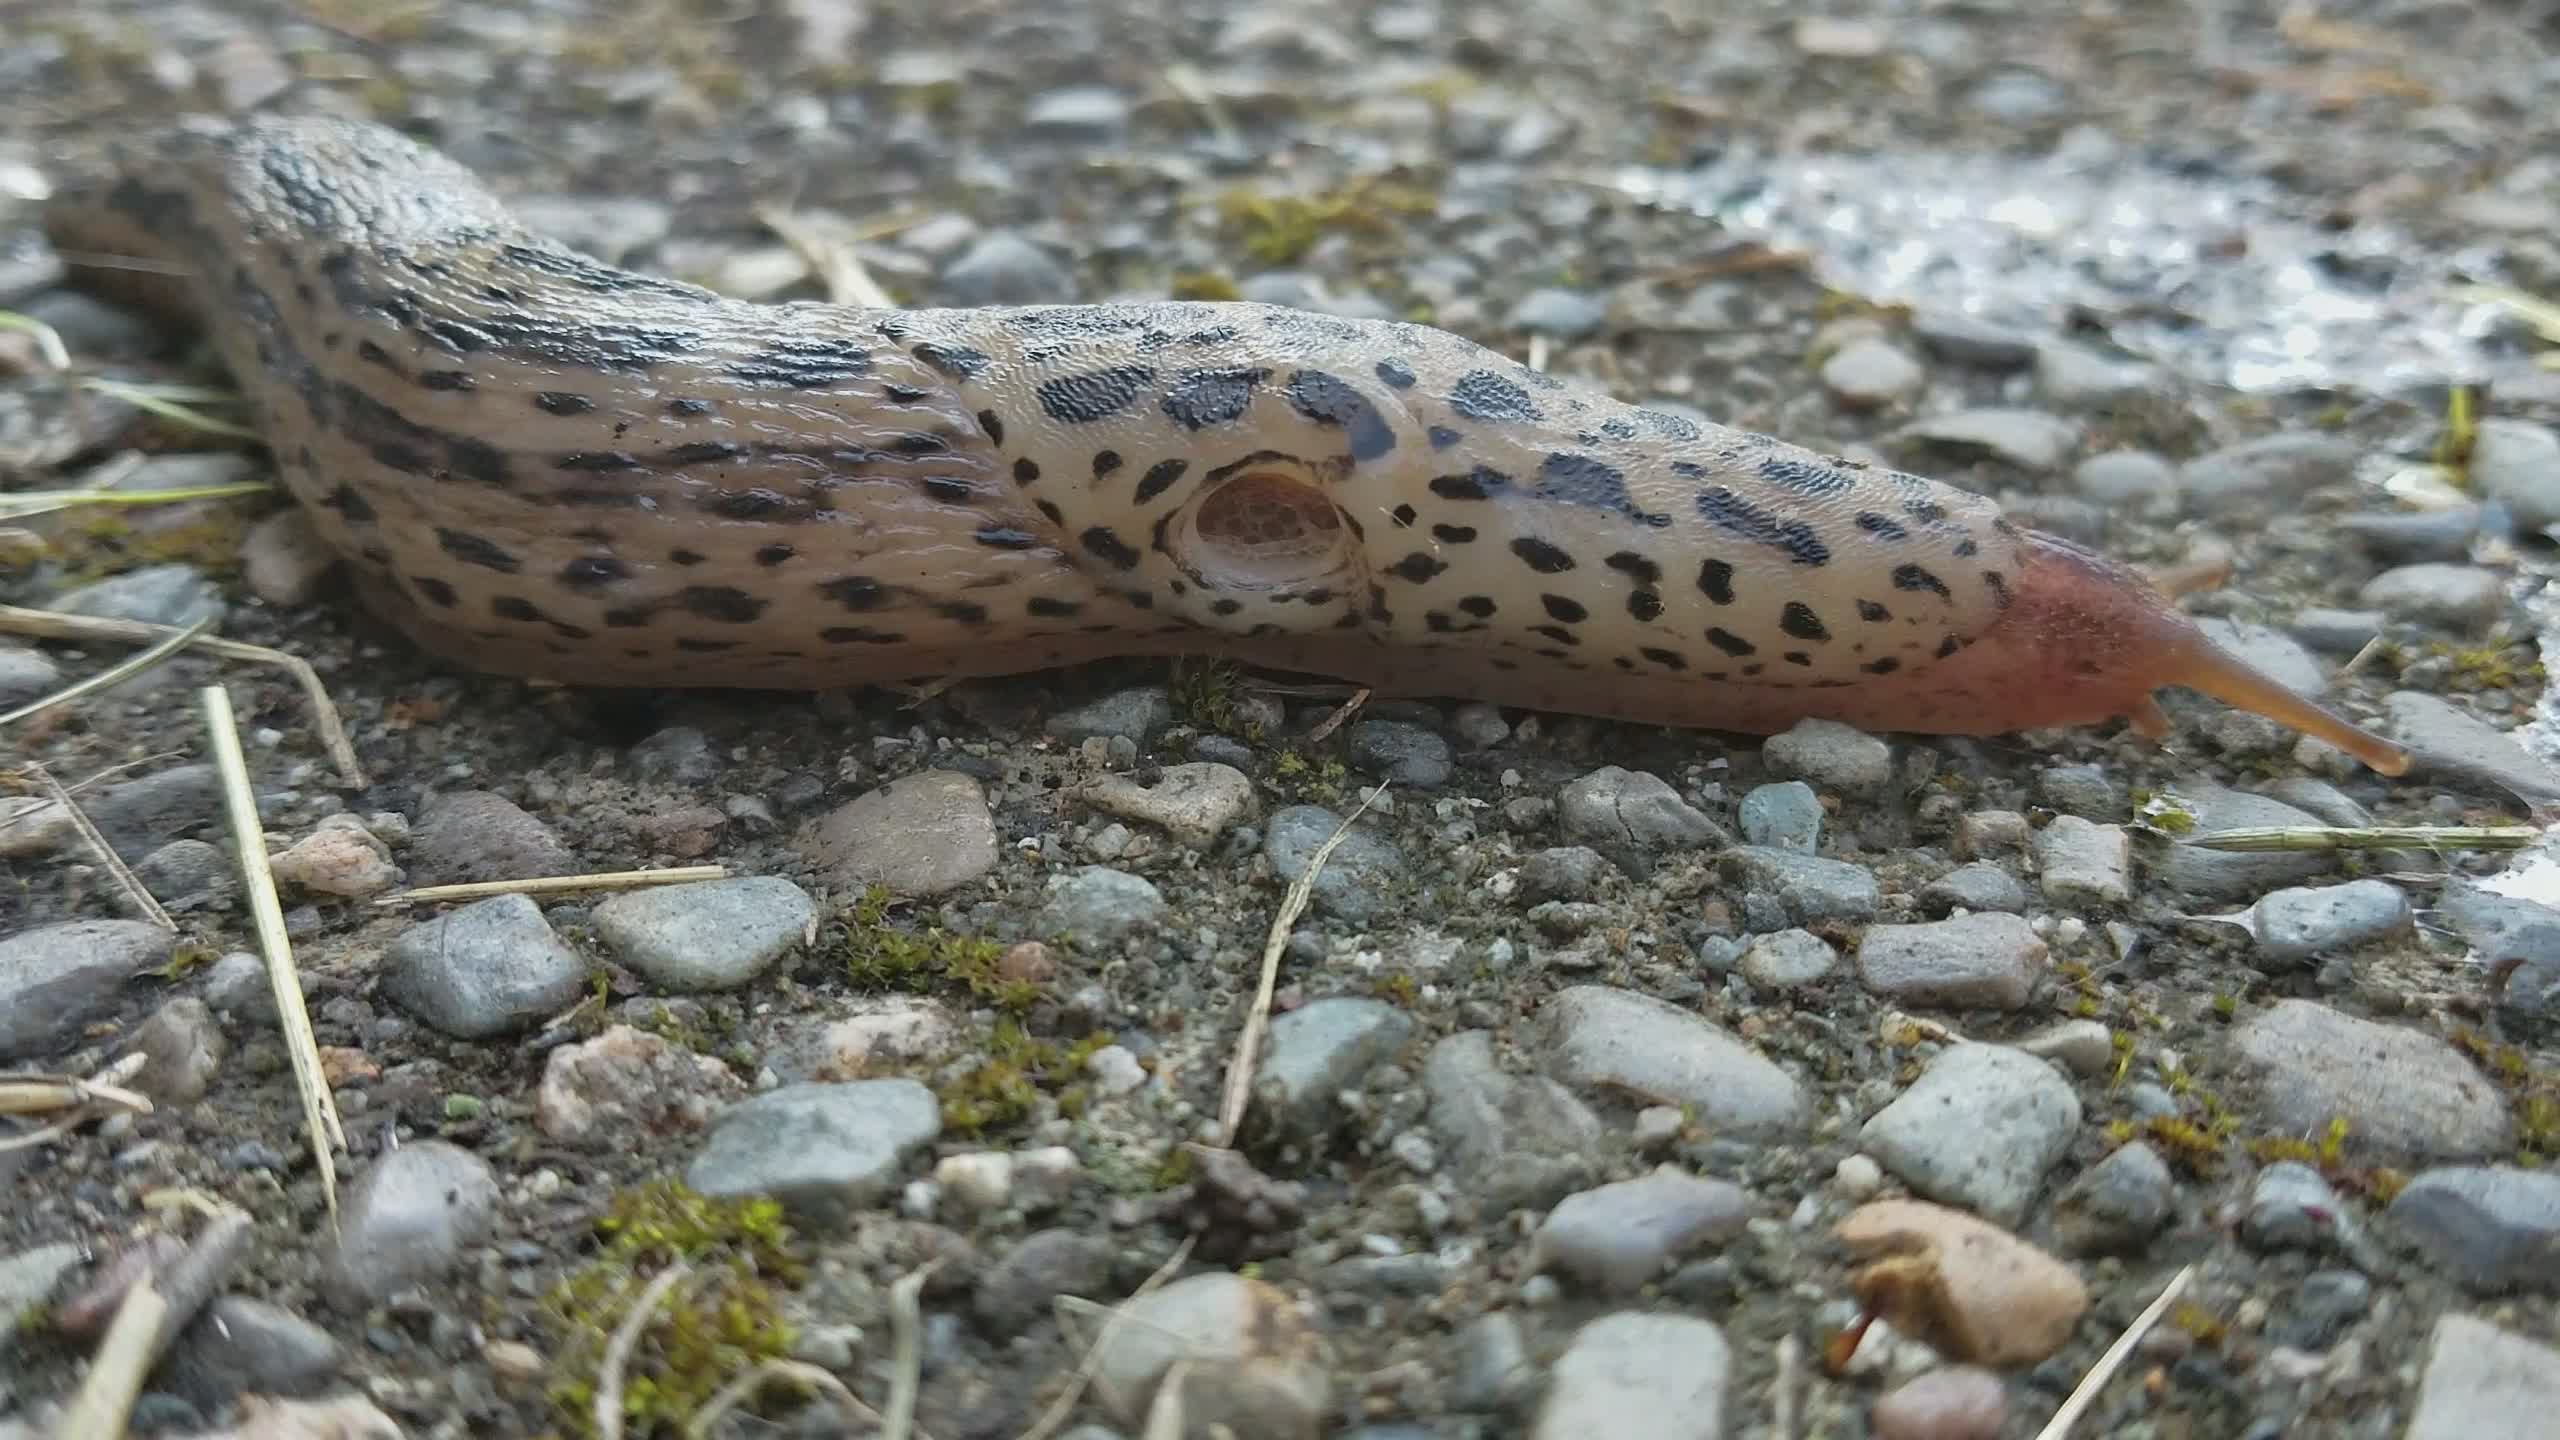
[541, 465]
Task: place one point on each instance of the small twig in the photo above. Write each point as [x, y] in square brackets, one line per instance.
[1062, 1407]
[906, 1373]
[547, 884]
[23, 503]
[192, 1280]
[2086, 1394]
[128, 882]
[124, 669]
[1339, 717]
[55, 625]
[1249, 1044]
[319, 1107]
[613, 1373]
[74, 1100]
[2369, 837]
[105, 1402]
[49, 347]
[730, 1396]
[1164, 1411]
[170, 403]
[847, 279]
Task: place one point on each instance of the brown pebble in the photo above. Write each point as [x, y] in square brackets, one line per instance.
[1961, 1402]
[1029, 963]
[1965, 1285]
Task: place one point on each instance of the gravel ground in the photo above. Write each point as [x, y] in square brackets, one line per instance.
[1616, 1076]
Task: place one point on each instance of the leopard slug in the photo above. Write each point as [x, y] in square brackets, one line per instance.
[537, 464]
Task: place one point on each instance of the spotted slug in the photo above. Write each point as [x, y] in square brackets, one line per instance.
[541, 465]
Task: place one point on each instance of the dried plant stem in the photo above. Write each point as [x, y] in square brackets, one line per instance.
[549, 884]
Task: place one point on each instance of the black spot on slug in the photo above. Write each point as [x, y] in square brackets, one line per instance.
[1540, 556]
[1883, 527]
[1330, 400]
[774, 554]
[1799, 620]
[1804, 477]
[1026, 471]
[589, 571]
[477, 550]
[1885, 666]
[957, 361]
[1730, 643]
[1396, 374]
[1001, 537]
[1715, 579]
[435, 590]
[1159, 478]
[856, 592]
[1484, 395]
[1202, 398]
[1667, 659]
[1454, 534]
[1873, 613]
[1916, 577]
[1628, 562]
[1644, 605]
[1565, 608]
[1417, 567]
[725, 603]
[992, 425]
[1052, 608]
[1482, 483]
[1104, 544]
[1095, 395]
[1735, 515]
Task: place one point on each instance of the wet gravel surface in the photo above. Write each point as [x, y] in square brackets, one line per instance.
[1617, 1076]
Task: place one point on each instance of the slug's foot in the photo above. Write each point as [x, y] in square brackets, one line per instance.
[2148, 720]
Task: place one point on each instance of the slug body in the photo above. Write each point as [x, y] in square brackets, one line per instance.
[541, 465]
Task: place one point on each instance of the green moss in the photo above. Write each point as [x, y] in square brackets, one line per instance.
[1281, 229]
[2533, 1093]
[1204, 695]
[1020, 1067]
[721, 1320]
[104, 543]
[877, 955]
[1205, 285]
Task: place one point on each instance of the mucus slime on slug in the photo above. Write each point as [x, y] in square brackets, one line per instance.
[537, 464]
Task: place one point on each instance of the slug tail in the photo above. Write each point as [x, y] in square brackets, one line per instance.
[2203, 666]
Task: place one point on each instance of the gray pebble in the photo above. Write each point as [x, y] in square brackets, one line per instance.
[474, 836]
[1633, 817]
[1784, 816]
[1491, 1364]
[2298, 923]
[2408, 538]
[240, 1345]
[824, 1150]
[1867, 373]
[2291, 1207]
[2336, 632]
[2518, 462]
[1978, 1129]
[56, 979]
[1096, 905]
[1514, 1140]
[2133, 480]
[408, 1219]
[187, 875]
[1830, 756]
[27, 1281]
[2451, 738]
[1480, 725]
[2030, 440]
[25, 674]
[1003, 268]
[2091, 792]
[1806, 889]
[155, 595]
[2484, 1383]
[184, 1048]
[2079, 863]
[1321, 1049]
[1980, 886]
[2494, 1228]
[919, 835]
[2461, 598]
[145, 813]
[1357, 878]
[1602, 1038]
[716, 935]
[1981, 961]
[2406, 1094]
[2259, 475]
[1788, 960]
[1617, 1238]
[1968, 340]
[1401, 753]
[491, 968]
[1080, 113]
[1135, 713]
[2320, 1308]
[2073, 377]
[1016, 1292]
[1565, 872]
[1662, 1376]
[238, 989]
[677, 755]
[1565, 314]
[1255, 1369]
[609, 227]
[2118, 1204]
